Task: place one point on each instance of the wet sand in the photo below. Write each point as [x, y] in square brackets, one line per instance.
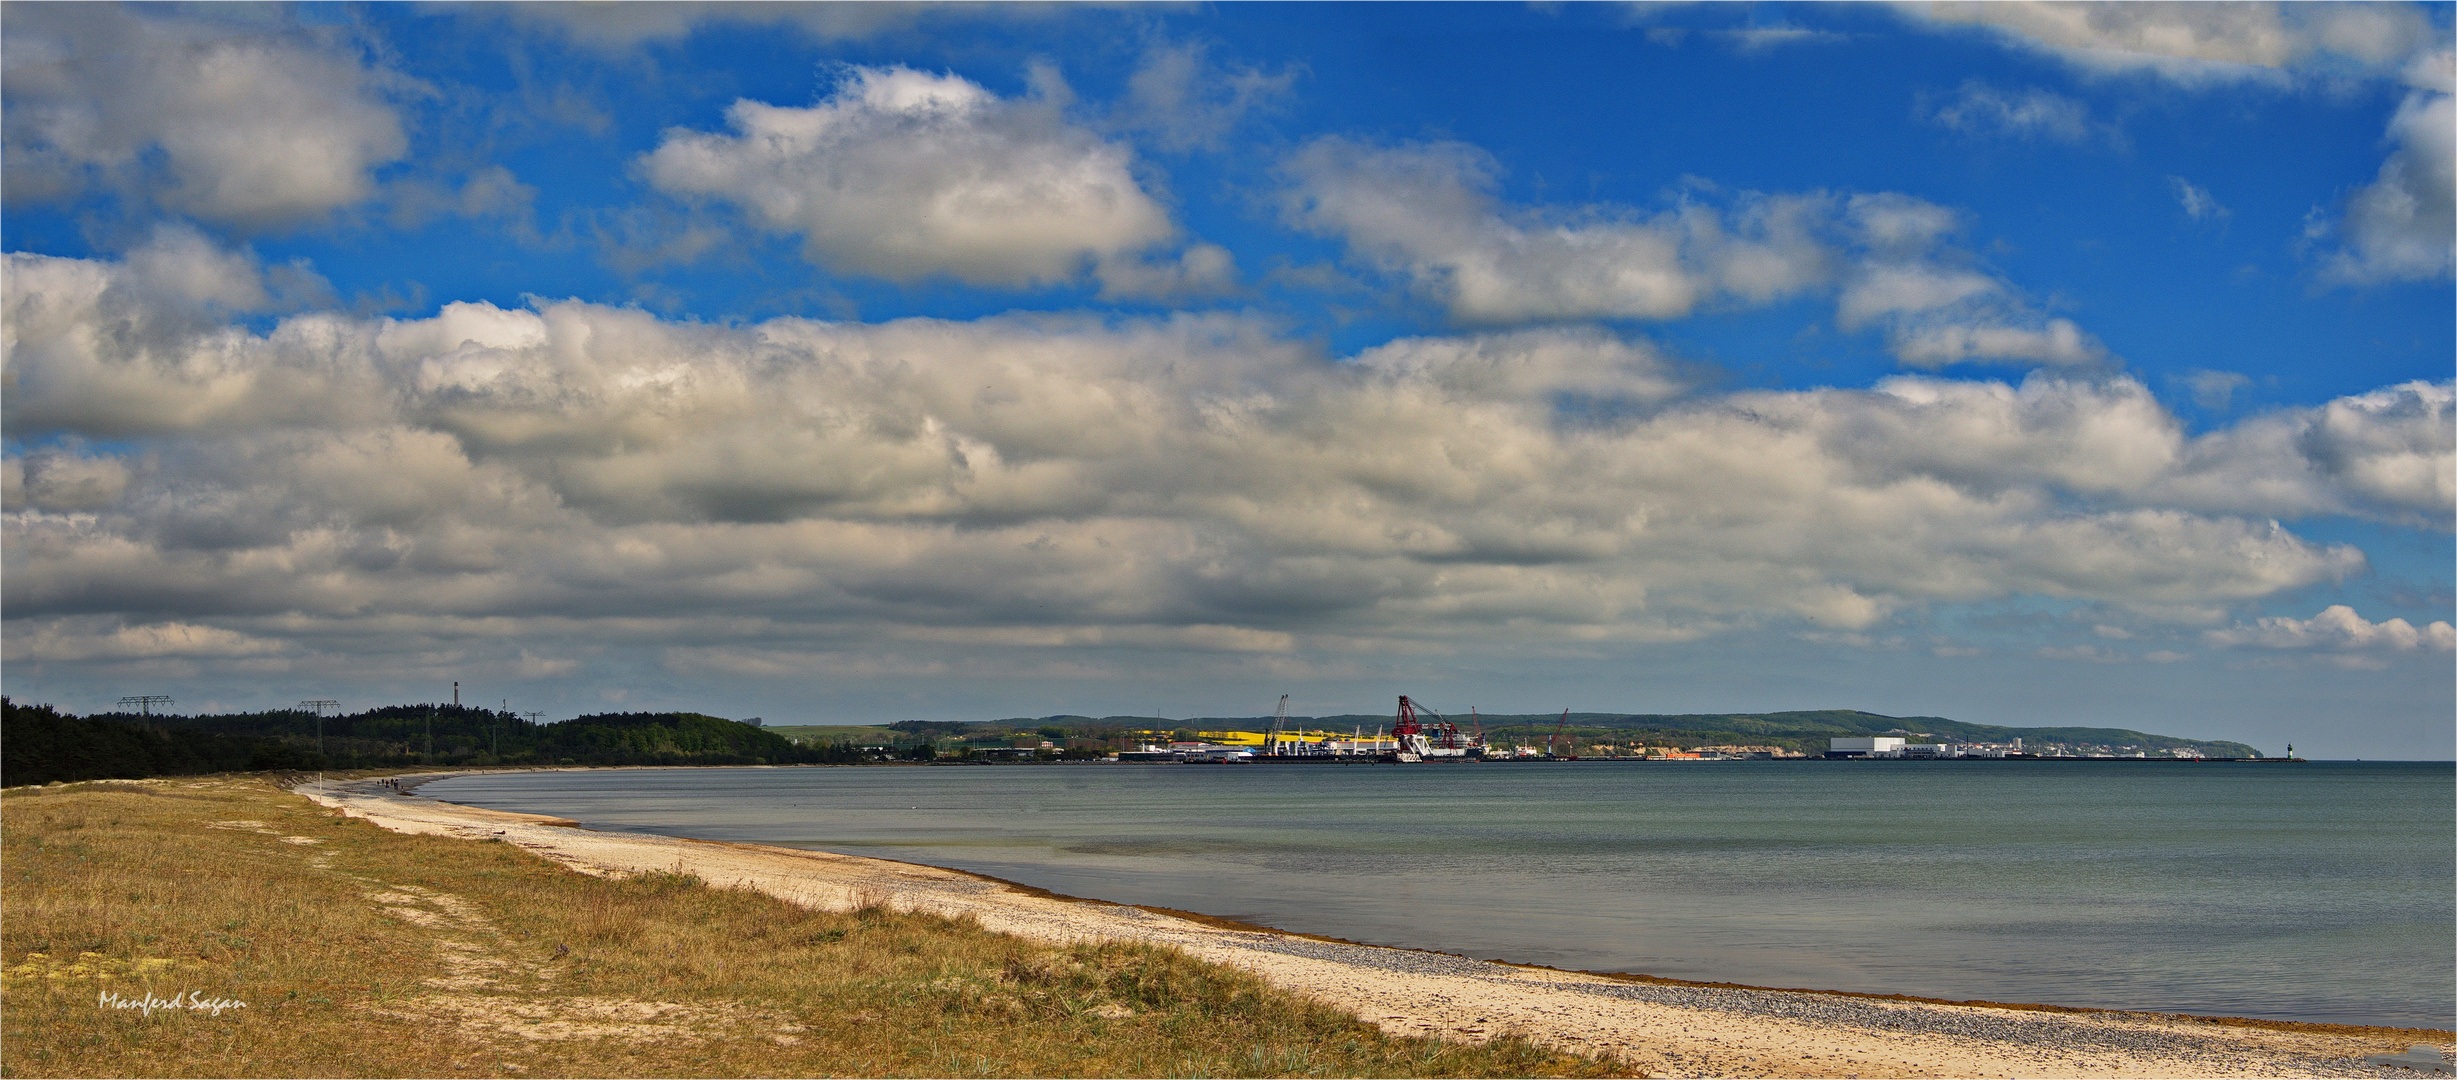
[1662, 1028]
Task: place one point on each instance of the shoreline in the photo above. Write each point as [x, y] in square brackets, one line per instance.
[1665, 1027]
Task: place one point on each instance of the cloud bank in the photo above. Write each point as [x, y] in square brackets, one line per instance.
[793, 487]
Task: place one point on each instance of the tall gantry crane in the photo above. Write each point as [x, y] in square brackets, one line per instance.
[1279, 724]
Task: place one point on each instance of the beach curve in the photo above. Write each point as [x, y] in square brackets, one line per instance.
[1663, 1028]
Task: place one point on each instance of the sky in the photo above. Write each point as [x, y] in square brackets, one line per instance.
[2018, 363]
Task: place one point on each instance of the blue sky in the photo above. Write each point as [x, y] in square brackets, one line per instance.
[2019, 363]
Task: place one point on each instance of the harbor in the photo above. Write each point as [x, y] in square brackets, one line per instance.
[1419, 735]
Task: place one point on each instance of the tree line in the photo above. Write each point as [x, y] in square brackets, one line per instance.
[40, 744]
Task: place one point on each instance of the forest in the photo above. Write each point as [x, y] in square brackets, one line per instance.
[40, 744]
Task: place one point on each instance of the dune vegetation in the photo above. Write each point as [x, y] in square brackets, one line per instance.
[244, 931]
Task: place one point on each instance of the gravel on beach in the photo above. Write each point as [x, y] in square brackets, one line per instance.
[2100, 1033]
[1659, 1029]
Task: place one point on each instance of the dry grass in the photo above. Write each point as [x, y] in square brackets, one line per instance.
[360, 952]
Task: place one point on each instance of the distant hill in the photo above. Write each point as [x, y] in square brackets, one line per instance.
[1806, 731]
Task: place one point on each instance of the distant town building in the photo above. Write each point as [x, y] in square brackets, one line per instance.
[1898, 747]
[1865, 746]
[1750, 752]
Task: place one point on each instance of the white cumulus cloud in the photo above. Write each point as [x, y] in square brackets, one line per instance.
[2199, 42]
[1431, 214]
[2337, 627]
[903, 174]
[134, 347]
[64, 481]
[2403, 224]
[2390, 454]
[225, 122]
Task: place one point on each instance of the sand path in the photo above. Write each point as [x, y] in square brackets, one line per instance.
[1664, 1030]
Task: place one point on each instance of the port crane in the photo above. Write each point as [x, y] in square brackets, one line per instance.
[1439, 740]
[1557, 726]
[1279, 725]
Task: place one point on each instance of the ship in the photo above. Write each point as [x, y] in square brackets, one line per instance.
[1418, 735]
[1439, 741]
[1285, 746]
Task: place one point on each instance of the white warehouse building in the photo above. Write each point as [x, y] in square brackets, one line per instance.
[1865, 746]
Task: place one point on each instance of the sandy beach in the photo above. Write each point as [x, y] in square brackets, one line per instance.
[1663, 1029]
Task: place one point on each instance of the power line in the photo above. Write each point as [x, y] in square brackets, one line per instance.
[532, 721]
[146, 702]
[320, 704]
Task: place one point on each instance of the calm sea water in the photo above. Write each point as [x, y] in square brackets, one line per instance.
[2319, 892]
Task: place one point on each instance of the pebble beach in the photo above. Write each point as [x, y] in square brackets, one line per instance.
[1660, 1028]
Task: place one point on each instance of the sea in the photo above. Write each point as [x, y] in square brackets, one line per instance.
[2318, 891]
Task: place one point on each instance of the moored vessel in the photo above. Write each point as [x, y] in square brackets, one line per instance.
[1439, 741]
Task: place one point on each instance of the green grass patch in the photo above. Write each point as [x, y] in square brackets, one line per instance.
[360, 952]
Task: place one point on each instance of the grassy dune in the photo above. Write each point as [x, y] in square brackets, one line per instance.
[359, 952]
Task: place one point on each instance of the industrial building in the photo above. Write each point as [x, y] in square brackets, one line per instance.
[1865, 746]
[1896, 747]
